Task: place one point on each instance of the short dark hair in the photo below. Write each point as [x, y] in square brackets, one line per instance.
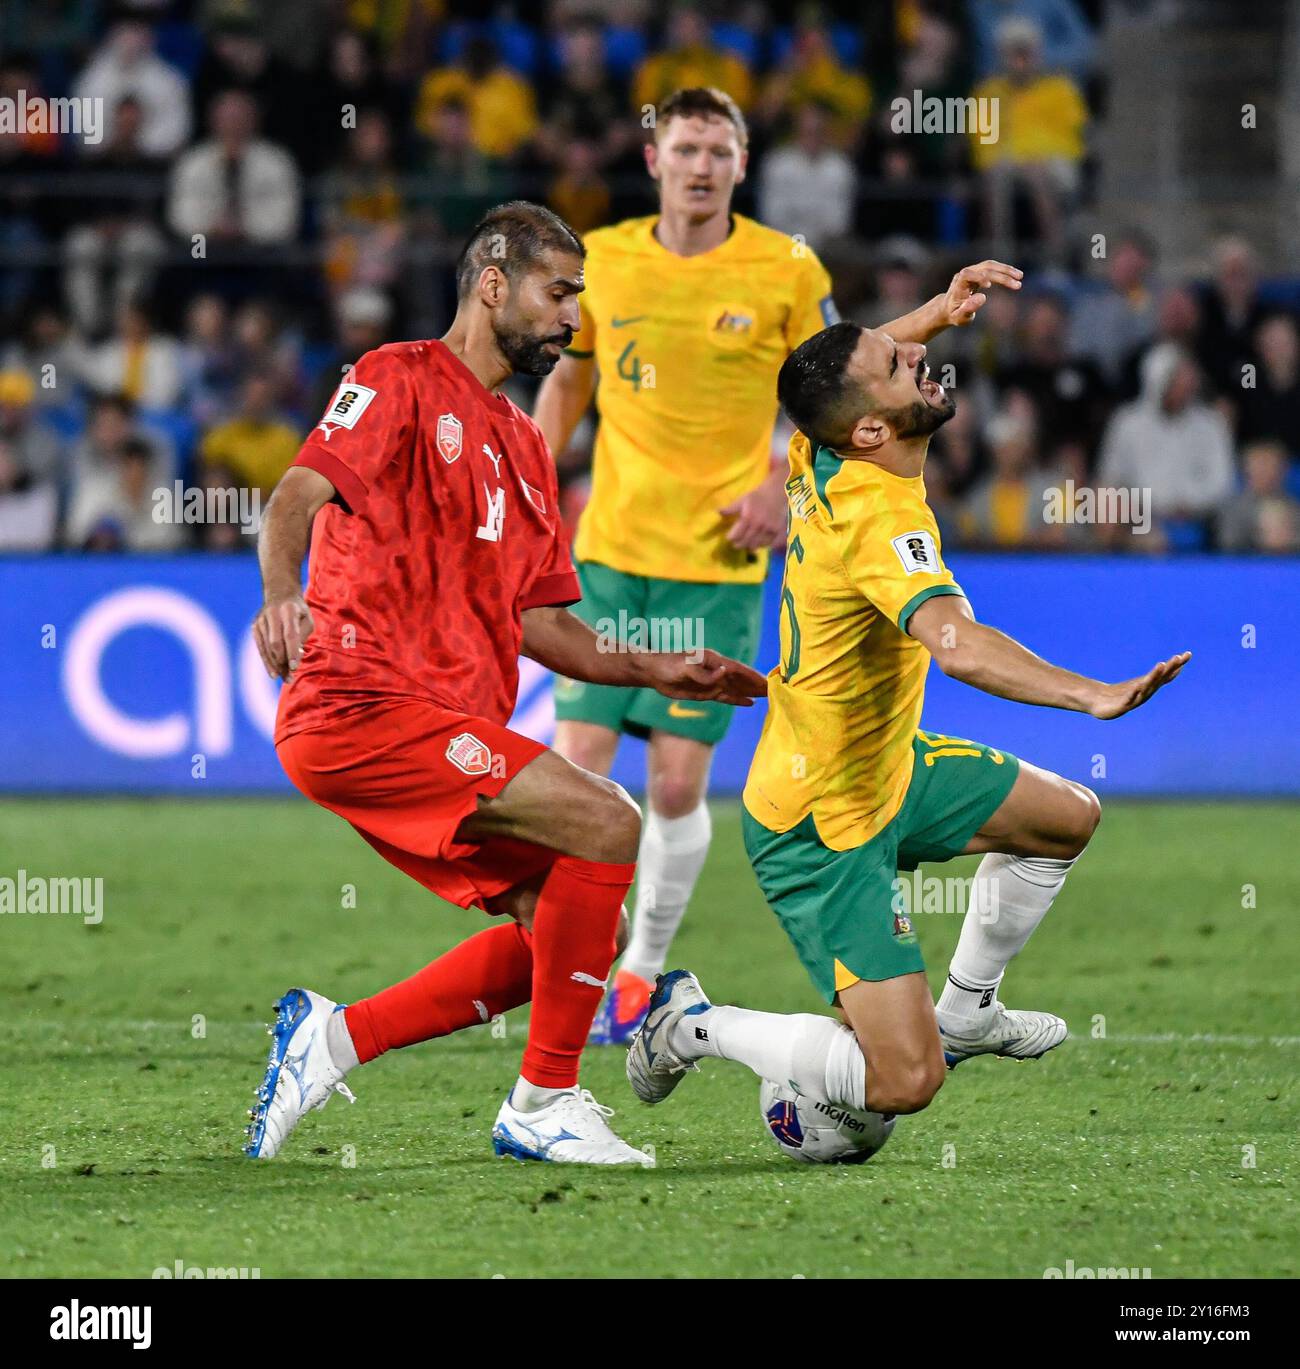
[703, 102]
[815, 389]
[513, 236]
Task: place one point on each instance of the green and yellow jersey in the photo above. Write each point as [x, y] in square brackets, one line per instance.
[845, 702]
[688, 350]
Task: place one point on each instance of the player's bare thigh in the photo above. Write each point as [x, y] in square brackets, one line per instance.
[677, 773]
[588, 745]
[894, 1022]
[1043, 815]
[555, 803]
[520, 903]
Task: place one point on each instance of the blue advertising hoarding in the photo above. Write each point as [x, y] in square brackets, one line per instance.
[119, 671]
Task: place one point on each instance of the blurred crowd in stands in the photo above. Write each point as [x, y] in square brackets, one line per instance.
[282, 185]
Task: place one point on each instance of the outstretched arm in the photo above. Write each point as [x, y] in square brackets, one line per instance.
[958, 306]
[285, 623]
[990, 660]
[555, 638]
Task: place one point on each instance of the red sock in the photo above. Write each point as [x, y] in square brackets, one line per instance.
[488, 974]
[573, 948]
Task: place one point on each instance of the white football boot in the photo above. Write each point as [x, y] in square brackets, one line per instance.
[300, 1073]
[570, 1130]
[1013, 1033]
[652, 1068]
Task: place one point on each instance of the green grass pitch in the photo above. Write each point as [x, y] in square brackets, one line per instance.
[1169, 1143]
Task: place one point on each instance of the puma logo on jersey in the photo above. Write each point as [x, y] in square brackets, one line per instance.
[579, 977]
[493, 458]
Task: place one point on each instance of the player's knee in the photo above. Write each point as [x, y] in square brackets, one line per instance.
[1087, 815]
[906, 1088]
[674, 796]
[617, 817]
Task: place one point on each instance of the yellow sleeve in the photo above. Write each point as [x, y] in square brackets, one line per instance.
[814, 307]
[1073, 115]
[896, 561]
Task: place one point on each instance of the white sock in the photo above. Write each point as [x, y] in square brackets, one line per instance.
[338, 1041]
[1009, 897]
[526, 1097]
[673, 852]
[815, 1055]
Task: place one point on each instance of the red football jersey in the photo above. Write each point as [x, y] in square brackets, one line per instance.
[445, 527]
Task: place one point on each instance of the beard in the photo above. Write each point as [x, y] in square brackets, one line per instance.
[526, 352]
[920, 419]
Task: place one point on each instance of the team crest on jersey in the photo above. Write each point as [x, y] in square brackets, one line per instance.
[917, 552]
[903, 927]
[450, 435]
[349, 403]
[467, 753]
[731, 325]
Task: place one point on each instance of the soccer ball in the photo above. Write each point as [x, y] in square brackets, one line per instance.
[819, 1133]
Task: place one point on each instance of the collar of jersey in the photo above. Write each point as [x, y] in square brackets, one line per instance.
[457, 364]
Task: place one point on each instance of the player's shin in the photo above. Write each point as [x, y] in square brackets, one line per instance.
[816, 1056]
[490, 973]
[1010, 896]
[574, 925]
[673, 852]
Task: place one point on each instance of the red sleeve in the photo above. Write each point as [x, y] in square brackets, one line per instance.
[370, 418]
[556, 582]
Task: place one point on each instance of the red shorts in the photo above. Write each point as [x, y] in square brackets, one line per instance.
[406, 774]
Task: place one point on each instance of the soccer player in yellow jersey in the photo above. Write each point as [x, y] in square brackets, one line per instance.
[686, 319]
[844, 791]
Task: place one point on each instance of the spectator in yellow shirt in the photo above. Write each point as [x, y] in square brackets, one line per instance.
[1039, 147]
[256, 445]
[689, 59]
[503, 114]
[812, 75]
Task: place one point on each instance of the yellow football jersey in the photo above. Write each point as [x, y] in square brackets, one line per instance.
[688, 349]
[845, 702]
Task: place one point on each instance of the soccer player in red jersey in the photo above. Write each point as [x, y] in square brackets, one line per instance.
[437, 557]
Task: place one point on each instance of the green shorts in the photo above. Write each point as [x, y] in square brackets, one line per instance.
[843, 909]
[664, 615]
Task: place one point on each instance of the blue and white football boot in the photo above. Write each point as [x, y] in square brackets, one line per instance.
[300, 1073]
[570, 1130]
[652, 1068]
[1015, 1034]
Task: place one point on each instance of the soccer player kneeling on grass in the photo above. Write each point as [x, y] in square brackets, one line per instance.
[437, 557]
[844, 790]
